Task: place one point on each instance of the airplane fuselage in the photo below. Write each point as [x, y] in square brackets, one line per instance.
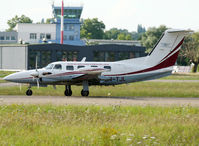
[73, 72]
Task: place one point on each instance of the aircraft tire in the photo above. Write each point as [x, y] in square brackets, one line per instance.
[68, 92]
[84, 93]
[29, 92]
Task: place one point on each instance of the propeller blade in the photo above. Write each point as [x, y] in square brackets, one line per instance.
[36, 64]
[38, 83]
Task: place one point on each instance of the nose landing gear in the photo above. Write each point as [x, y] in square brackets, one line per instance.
[29, 91]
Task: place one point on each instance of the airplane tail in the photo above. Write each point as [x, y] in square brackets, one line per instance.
[166, 51]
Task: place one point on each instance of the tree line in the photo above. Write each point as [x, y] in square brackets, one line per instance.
[95, 29]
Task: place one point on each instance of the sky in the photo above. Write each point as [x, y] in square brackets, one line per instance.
[124, 14]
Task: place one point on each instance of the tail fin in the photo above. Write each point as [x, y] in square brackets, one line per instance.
[167, 49]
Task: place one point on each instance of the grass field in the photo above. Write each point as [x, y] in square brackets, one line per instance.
[94, 125]
[5, 73]
[177, 76]
[147, 89]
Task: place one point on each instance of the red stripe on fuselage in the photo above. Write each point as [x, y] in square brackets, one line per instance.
[167, 63]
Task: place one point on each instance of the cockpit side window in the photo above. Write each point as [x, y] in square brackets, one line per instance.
[58, 67]
[69, 68]
[49, 66]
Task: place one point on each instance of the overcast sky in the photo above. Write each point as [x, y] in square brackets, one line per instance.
[125, 14]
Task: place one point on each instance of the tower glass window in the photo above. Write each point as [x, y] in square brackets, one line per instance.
[71, 37]
[71, 27]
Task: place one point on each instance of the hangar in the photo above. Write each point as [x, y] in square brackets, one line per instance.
[22, 57]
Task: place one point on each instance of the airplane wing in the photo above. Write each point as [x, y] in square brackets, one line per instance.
[89, 73]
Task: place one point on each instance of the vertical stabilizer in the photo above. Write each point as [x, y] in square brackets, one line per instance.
[167, 49]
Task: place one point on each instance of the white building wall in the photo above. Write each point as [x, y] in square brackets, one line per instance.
[13, 58]
[25, 29]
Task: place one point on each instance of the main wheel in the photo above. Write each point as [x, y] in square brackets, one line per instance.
[29, 92]
[84, 93]
[68, 92]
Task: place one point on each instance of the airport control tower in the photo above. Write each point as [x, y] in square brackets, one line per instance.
[71, 25]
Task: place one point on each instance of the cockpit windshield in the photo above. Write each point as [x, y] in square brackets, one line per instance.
[49, 66]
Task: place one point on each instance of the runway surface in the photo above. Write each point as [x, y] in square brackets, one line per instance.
[105, 101]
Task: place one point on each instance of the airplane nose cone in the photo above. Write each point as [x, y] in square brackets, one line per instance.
[9, 78]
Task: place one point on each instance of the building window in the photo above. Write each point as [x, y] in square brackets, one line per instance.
[137, 54]
[65, 37]
[123, 55]
[42, 36]
[98, 56]
[2, 38]
[33, 36]
[7, 38]
[131, 55]
[71, 27]
[71, 37]
[109, 56]
[13, 38]
[48, 36]
[65, 26]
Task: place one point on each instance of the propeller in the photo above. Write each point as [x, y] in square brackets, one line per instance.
[35, 74]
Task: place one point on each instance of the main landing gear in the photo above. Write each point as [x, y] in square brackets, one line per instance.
[84, 92]
[68, 91]
[29, 91]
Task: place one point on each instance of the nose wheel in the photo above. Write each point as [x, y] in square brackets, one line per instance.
[29, 92]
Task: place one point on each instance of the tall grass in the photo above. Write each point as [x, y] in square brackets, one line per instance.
[95, 125]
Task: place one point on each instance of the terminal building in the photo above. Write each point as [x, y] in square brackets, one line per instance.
[22, 57]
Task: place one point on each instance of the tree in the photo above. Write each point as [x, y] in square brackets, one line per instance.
[13, 22]
[190, 49]
[121, 36]
[92, 29]
[49, 20]
[151, 37]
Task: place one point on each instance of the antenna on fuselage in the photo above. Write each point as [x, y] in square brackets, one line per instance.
[83, 59]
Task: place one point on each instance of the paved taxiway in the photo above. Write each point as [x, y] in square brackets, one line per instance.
[106, 101]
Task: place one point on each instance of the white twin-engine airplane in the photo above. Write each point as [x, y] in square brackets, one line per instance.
[158, 63]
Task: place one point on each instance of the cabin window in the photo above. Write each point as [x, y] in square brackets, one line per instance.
[69, 68]
[58, 67]
[107, 67]
[94, 66]
[81, 66]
